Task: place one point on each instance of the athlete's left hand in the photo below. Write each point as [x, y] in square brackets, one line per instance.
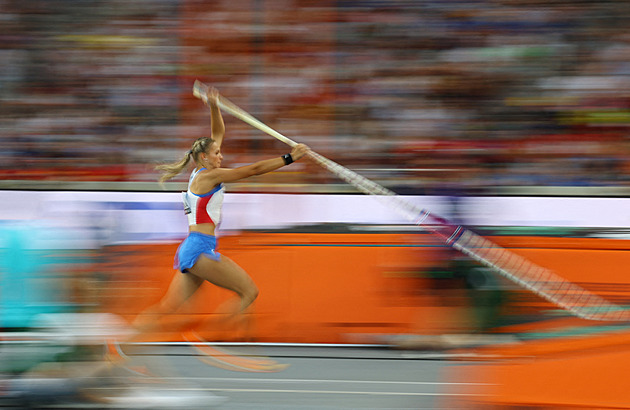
[299, 151]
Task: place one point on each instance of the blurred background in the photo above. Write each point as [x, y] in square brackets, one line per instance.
[422, 96]
[510, 117]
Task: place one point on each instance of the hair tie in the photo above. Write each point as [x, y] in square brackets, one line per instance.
[189, 152]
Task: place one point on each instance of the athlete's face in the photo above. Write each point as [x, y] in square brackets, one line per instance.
[214, 156]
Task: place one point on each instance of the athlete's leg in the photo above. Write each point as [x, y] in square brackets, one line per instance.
[181, 288]
[227, 274]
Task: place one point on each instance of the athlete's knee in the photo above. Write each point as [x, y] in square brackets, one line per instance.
[253, 292]
[249, 295]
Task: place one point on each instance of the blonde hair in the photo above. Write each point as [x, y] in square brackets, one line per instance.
[171, 170]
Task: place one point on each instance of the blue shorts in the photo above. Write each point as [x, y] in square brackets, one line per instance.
[195, 245]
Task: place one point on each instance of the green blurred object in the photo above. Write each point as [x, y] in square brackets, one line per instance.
[25, 265]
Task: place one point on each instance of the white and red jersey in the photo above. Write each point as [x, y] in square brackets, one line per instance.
[204, 208]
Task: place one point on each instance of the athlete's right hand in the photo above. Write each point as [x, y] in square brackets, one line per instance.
[210, 97]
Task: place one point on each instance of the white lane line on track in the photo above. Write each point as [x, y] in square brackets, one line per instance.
[261, 380]
[307, 391]
[370, 393]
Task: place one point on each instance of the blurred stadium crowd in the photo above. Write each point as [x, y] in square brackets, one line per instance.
[423, 96]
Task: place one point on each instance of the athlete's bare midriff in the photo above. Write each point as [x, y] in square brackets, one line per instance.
[207, 229]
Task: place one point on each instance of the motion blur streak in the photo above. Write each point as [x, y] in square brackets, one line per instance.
[509, 117]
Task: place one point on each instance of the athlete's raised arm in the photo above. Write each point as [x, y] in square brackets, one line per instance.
[217, 125]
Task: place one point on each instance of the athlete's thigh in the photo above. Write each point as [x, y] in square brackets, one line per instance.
[224, 273]
[181, 288]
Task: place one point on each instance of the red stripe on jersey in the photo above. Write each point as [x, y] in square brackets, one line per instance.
[202, 216]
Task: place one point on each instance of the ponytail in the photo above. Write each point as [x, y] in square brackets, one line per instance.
[171, 170]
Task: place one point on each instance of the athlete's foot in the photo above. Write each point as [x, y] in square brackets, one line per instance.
[115, 356]
[114, 353]
[215, 356]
